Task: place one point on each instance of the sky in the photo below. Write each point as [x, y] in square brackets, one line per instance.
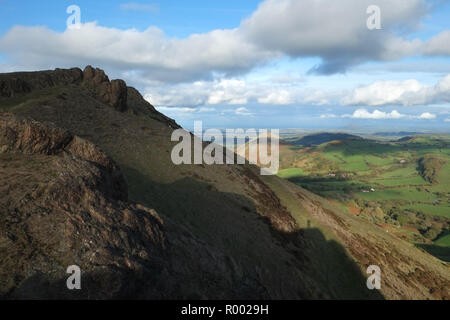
[307, 64]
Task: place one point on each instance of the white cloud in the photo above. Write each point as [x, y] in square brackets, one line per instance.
[427, 116]
[381, 115]
[376, 114]
[234, 91]
[405, 93]
[280, 97]
[447, 120]
[228, 91]
[332, 30]
[242, 111]
[223, 91]
[151, 53]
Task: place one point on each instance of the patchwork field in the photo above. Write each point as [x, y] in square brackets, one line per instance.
[403, 184]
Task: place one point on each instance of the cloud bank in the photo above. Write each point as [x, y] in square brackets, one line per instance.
[334, 31]
[381, 115]
[402, 93]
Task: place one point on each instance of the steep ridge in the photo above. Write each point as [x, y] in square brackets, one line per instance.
[223, 231]
[64, 202]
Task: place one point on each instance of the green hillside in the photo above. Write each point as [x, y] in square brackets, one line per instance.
[406, 181]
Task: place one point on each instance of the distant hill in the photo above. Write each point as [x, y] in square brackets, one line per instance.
[396, 134]
[319, 138]
[404, 139]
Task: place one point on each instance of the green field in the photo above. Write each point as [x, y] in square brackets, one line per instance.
[290, 173]
[443, 240]
[373, 174]
[441, 210]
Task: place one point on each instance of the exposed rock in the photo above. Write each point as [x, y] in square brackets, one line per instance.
[30, 136]
[64, 202]
[88, 73]
[12, 86]
[113, 93]
[76, 215]
[118, 97]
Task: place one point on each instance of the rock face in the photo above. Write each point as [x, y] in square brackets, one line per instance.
[10, 87]
[73, 210]
[63, 202]
[113, 93]
[32, 137]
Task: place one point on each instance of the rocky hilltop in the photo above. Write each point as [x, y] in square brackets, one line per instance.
[87, 180]
[112, 92]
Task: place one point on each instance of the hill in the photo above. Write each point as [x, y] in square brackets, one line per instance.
[91, 183]
[320, 138]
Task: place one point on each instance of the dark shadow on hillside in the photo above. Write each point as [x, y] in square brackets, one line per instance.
[365, 147]
[331, 188]
[231, 223]
[341, 275]
[102, 284]
[440, 252]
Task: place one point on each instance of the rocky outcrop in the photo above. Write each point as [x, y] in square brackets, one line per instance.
[113, 93]
[72, 210]
[44, 86]
[12, 86]
[32, 137]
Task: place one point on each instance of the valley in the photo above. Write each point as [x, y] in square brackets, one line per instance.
[401, 185]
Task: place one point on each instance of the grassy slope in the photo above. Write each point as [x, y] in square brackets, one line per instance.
[364, 242]
[377, 165]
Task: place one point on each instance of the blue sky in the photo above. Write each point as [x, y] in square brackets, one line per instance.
[309, 64]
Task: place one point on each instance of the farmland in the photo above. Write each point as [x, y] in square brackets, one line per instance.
[404, 184]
